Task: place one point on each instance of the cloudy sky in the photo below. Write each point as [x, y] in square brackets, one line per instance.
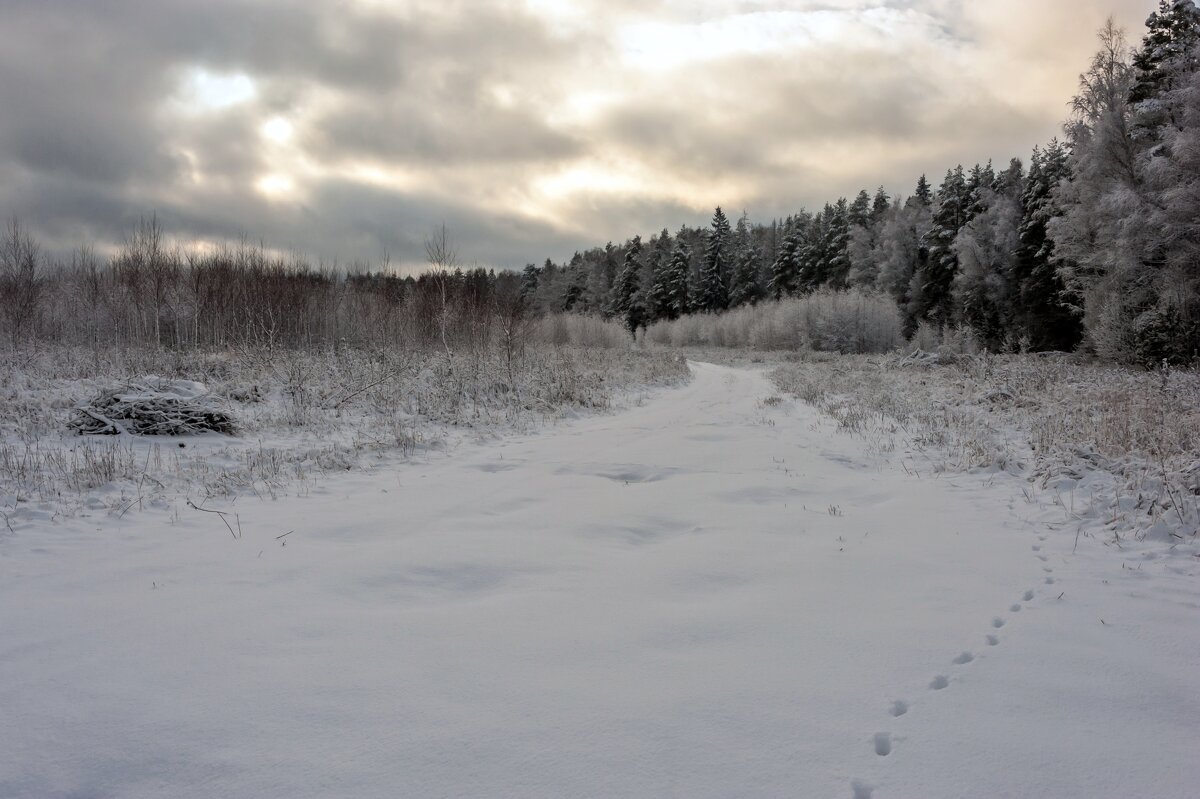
[344, 129]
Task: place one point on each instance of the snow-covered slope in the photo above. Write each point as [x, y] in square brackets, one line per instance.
[711, 595]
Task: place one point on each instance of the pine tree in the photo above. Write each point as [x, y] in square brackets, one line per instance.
[836, 263]
[923, 193]
[880, 205]
[713, 294]
[860, 209]
[745, 288]
[785, 271]
[669, 295]
[1168, 50]
[627, 300]
[935, 279]
[1045, 317]
[529, 281]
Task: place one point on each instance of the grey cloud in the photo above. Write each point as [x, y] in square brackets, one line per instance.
[87, 145]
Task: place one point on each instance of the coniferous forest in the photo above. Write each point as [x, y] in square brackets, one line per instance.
[1092, 242]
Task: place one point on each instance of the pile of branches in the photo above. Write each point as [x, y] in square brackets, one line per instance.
[153, 406]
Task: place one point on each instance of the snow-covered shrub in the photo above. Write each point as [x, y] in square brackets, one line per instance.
[153, 406]
[577, 330]
[825, 321]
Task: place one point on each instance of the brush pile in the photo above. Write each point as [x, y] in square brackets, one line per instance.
[153, 406]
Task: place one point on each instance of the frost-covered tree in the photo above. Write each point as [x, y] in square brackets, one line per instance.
[669, 296]
[986, 249]
[713, 292]
[785, 271]
[1125, 241]
[1168, 52]
[923, 193]
[860, 209]
[745, 284]
[628, 284]
[931, 295]
[880, 205]
[835, 265]
[1045, 316]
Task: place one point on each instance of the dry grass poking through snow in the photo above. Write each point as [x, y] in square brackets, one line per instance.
[1118, 448]
[300, 413]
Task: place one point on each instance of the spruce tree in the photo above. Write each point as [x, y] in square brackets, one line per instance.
[860, 209]
[785, 271]
[836, 263]
[936, 277]
[1168, 50]
[923, 193]
[627, 301]
[529, 281]
[1045, 316]
[713, 294]
[880, 205]
[745, 288]
[669, 295]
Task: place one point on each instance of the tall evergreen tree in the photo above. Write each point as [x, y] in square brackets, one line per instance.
[860, 209]
[627, 300]
[923, 193]
[934, 281]
[713, 293]
[880, 205]
[1168, 50]
[785, 271]
[1044, 316]
[529, 281]
[669, 296]
[836, 258]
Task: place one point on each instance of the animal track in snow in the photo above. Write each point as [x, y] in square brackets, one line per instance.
[883, 744]
[899, 708]
[1037, 547]
[1043, 558]
[1016, 608]
[997, 622]
[861, 789]
[939, 682]
[1049, 581]
[964, 659]
[993, 640]
[1027, 596]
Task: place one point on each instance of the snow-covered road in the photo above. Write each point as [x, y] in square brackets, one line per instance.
[710, 595]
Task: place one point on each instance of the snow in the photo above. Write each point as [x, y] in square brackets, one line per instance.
[712, 594]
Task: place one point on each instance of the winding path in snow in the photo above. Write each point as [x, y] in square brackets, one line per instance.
[709, 595]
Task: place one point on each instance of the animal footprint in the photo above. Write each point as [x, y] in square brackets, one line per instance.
[964, 659]
[1049, 581]
[1037, 547]
[1043, 558]
[861, 789]
[993, 640]
[899, 708]
[1015, 609]
[997, 622]
[1027, 596]
[883, 744]
[939, 682]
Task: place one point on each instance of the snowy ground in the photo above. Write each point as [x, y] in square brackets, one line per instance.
[714, 594]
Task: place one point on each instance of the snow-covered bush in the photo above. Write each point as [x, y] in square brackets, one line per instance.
[824, 321]
[153, 406]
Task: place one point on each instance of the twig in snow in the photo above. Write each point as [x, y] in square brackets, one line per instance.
[222, 514]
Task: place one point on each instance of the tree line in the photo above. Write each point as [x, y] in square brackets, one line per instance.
[1094, 243]
[152, 294]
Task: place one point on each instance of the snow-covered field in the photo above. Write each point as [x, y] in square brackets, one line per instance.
[714, 593]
